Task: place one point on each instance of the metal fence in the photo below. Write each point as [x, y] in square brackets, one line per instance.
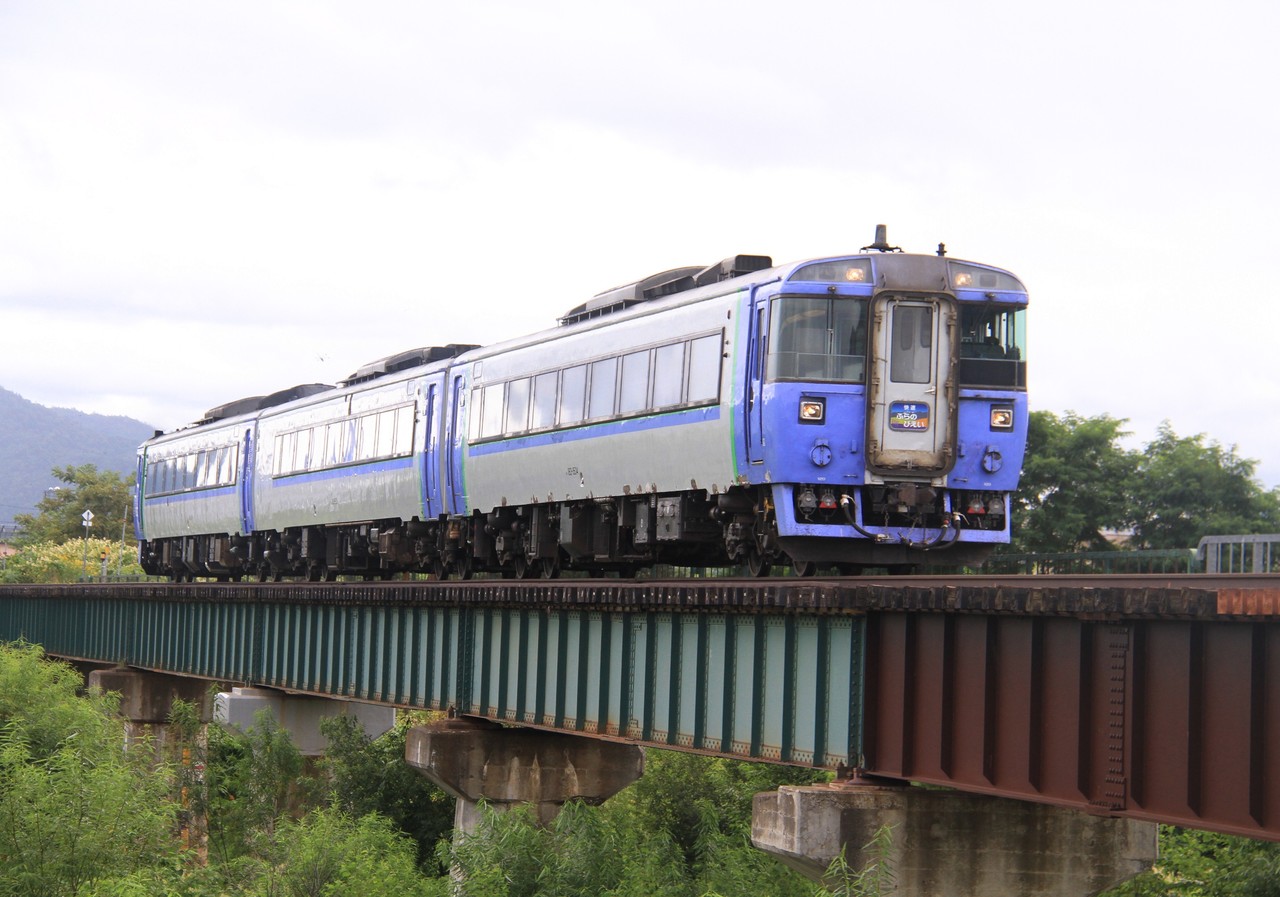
[1240, 554]
[1179, 560]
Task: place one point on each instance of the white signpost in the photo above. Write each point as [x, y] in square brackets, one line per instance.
[87, 517]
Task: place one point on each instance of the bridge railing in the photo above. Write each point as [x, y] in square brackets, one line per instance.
[1240, 554]
[1177, 560]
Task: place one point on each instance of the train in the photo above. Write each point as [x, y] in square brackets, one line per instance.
[858, 411]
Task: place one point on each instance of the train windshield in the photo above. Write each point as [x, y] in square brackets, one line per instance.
[993, 345]
[818, 338]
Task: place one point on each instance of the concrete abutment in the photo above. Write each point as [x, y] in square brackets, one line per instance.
[952, 844]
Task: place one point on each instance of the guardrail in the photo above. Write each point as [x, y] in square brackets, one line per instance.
[1240, 554]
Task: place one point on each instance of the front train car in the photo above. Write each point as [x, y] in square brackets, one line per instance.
[885, 410]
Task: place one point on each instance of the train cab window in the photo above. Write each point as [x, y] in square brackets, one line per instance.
[818, 338]
[993, 341]
[668, 375]
[573, 395]
[543, 406]
[633, 395]
[517, 419]
[704, 369]
[600, 399]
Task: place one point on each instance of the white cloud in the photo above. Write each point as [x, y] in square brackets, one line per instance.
[202, 202]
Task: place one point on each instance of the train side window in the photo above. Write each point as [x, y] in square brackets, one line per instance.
[367, 438]
[544, 401]
[704, 369]
[227, 472]
[633, 395]
[517, 419]
[403, 444]
[491, 415]
[302, 458]
[386, 433]
[604, 376]
[477, 409]
[573, 395]
[668, 375]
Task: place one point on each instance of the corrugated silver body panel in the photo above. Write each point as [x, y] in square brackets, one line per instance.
[342, 490]
[212, 509]
[669, 451]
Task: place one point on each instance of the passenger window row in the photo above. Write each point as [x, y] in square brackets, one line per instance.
[681, 374]
[205, 469]
[352, 440]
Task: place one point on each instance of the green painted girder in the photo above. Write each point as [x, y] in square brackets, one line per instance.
[779, 686]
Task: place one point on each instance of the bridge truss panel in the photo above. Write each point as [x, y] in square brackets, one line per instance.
[784, 687]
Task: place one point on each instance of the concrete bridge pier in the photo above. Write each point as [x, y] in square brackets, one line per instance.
[300, 715]
[952, 844]
[147, 698]
[476, 760]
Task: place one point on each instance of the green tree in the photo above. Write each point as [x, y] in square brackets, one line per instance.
[1186, 487]
[371, 776]
[252, 780]
[74, 806]
[70, 561]
[329, 854]
[104, 492]
[1206, 864]
[1075, 484]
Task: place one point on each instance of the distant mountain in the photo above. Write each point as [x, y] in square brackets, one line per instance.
[35, 439]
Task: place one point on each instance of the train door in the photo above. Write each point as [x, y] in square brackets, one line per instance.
[432, 500]
[912, 400]
[456, 492]
[757, 344]
[139, 491]
[246, 482]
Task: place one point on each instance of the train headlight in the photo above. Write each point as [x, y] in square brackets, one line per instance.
[1001, 417]
[812, 411]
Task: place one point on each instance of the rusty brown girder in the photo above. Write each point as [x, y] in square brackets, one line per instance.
[1172, 719]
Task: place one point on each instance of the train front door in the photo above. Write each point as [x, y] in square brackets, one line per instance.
[911, 411]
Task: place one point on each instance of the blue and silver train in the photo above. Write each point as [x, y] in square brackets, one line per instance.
[860, 410]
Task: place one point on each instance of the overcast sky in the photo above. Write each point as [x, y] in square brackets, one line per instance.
[202, 201]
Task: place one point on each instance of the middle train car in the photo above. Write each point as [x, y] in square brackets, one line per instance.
[852, 411]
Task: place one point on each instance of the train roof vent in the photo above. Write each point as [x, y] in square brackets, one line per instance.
[664, 283]
[733, 266]
[403, 361]
[231, 409]
[293, 392]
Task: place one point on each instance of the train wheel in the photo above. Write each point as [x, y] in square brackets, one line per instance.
[549, 568]
[437, 568]
[757, 563]
[465, 567]
[803, 569]
[520, 567]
